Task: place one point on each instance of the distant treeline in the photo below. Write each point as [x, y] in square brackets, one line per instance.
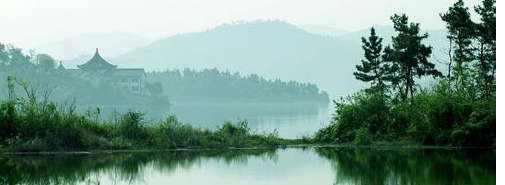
[40, 72]
[459, 109]
[215, 85]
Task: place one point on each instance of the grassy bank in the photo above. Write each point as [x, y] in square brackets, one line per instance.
[31, 125]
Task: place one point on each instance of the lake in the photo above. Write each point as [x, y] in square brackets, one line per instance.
[290, 120]
[311, 165]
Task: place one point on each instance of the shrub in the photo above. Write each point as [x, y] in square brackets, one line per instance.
[130, 126]
[432, 117]
[362, 137]
[238, 129]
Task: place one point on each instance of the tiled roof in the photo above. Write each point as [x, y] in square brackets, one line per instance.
[97, 62]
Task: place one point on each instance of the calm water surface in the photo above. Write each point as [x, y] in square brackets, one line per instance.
[313, 165]
[289, 120]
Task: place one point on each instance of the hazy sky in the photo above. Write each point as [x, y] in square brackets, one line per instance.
[28, 23]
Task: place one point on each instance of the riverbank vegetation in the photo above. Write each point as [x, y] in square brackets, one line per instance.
[28, 124]
[458, 109]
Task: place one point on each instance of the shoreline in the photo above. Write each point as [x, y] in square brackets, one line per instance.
[337, 146]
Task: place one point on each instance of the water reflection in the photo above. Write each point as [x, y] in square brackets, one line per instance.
[314, 165]
[121, 168]
[291, 120]
[411, 166]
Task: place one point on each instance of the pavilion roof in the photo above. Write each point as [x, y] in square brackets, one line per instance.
[97, 62]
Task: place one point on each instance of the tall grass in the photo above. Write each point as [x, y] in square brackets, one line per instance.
[28, 124]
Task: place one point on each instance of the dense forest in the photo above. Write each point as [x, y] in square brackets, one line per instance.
[224, 86]
[459, 109]
[40, 73]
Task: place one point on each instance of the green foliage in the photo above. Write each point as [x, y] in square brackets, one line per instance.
[432, 117]
[364, 110]
[457, 111]
[32, 125]
[362, 137]
[408, 55]
[373, 68]
[474, 48]
[238, 129]
[131, 126]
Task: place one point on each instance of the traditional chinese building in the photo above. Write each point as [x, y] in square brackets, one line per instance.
[132, 79]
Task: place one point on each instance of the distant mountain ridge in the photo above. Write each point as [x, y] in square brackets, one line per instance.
[323, 30]
[111, 43]
[271, 49]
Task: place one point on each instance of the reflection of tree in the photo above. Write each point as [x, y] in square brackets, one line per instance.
[391, 167]
[129, 167]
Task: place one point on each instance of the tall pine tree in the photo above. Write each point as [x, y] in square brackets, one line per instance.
[408, 55]
[461, 31]
[486, 51]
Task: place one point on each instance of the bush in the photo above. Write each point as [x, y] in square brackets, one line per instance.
[238, 129]
[362, 137]
[130, 126]
[369, 110]
[432, 117]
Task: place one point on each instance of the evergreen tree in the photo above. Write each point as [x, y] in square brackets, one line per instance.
[461, 30]
[486, 38]
[372, 68]
[408, 55]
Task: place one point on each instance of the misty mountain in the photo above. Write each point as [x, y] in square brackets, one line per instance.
[323, 30]
[112, 43]
[272, 49]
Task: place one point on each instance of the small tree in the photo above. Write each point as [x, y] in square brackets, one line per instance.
[372, 68]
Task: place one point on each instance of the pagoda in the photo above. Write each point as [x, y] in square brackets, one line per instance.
[97, 65]
[131, 79]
